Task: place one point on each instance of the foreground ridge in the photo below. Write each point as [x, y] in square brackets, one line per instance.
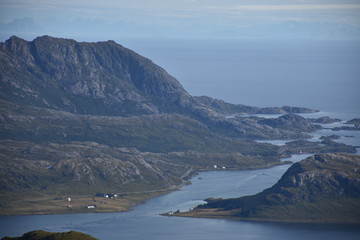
[43, 235]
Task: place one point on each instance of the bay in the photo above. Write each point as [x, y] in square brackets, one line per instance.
[144, 222]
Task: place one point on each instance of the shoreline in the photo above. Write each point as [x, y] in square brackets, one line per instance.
[210, 214]
[124, 204]
[52, 205]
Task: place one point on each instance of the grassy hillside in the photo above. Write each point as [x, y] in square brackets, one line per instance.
[42, 235]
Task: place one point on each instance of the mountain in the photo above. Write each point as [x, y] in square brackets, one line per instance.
[79, 118]
[321, 188]
[107, 79]
[89, 78]
[291, 122]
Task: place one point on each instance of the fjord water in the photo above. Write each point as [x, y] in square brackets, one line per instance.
[324, 75]
[144, 222]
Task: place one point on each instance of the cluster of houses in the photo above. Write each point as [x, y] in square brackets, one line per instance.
[172, 212]
[216, 167]
[108, 195]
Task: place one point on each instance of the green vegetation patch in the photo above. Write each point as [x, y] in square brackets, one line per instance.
[42, 235]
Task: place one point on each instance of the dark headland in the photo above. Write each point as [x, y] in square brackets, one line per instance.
[323, 188]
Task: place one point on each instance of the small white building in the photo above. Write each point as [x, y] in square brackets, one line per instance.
[91, 206]
[215, 166]
[69, 199]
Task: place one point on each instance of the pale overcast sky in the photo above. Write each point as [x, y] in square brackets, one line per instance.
[191, 17]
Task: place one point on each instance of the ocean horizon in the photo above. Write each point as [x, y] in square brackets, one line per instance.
[318, 74]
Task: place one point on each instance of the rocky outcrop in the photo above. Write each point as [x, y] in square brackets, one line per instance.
[291, 122]
[327, 145]
[354, 121]
[228, 108]
[322, 176]
[324, 120]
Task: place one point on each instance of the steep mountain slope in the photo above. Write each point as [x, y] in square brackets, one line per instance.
[322, 188]
[94, 78]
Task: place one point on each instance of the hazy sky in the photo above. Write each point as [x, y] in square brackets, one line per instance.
[191, 16]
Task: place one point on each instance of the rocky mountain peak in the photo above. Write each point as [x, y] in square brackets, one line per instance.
[105, 74]
[107, 79]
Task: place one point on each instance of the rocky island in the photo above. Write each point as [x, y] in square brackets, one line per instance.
[323, 188]
[79, 118]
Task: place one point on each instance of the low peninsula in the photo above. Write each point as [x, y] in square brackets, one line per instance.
[323, 188]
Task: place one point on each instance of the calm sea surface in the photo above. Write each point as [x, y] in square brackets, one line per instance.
[323, 75]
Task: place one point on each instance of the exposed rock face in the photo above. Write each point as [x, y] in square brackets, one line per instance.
[95, 78]
[319, 177]
[291, 122]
